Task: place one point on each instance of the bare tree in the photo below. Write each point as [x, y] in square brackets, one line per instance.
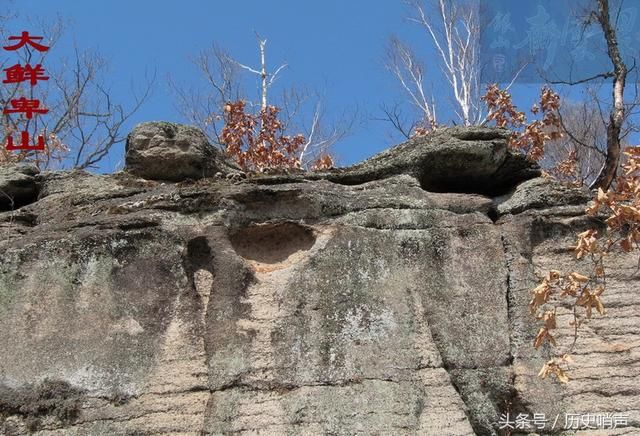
[617, 122]
[617, 115]
[584, 140]
[453, 29]
[410, 73]
[266, 78]
[225, 83]
[83, 122]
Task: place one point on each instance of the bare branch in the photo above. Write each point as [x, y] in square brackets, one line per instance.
[245, 67]
[394, 116]
[275, 74]
[607, 75]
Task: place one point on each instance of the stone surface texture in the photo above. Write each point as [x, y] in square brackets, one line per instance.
[365, 300]
[168, 151]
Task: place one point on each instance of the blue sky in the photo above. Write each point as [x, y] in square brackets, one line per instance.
[335, 47]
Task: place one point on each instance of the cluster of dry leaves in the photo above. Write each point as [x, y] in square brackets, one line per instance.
[621, 205]
[567, 170]
[424, 128]
[530, 138]
[258, 143]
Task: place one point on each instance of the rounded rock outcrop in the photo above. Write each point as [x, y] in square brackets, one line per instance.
[173, 152]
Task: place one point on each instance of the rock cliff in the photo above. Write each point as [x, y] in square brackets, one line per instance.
[385, 298]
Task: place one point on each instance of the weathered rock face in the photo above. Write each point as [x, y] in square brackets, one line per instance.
[355, 301]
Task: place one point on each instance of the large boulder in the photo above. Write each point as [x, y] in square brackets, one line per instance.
[173, 152]
[17, 185]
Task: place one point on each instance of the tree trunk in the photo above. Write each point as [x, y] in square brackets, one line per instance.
[616, 117]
